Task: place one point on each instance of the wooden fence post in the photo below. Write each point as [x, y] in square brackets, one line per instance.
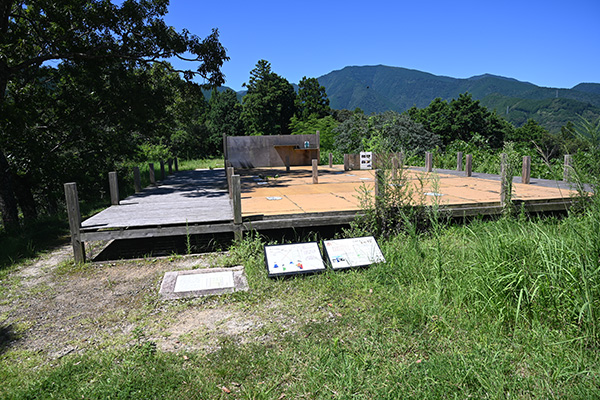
[113, 185]
[74, 214]
[504, 186]
[137, 180]
[469, 165]
[151, 172]
[379, 184]
[230, 172]
[176, 164]
[162, 170]
[287, 163]
[315, 171]
[526, 170]
[567, 168]
[428, 162]
[330, 160]
[459, 161]
[346, 163]
[237, 206]
[394, 167]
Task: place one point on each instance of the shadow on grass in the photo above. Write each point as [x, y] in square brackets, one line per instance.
[32, 239]
[7, 336]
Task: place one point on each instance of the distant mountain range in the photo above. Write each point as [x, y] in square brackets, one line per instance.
[379, 88]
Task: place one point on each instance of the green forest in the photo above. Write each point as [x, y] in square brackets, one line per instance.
[483, 308]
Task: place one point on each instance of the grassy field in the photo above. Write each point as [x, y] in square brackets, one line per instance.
[493, 309]
[505, 308]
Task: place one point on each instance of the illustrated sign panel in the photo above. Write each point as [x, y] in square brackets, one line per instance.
[353, 252]
[291, 259]
[366, 160]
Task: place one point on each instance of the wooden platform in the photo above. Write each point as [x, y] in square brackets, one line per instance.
[197, 202]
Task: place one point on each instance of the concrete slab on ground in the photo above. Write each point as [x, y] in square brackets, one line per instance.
[203, 282]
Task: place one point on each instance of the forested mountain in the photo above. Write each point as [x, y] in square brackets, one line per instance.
[380, 88]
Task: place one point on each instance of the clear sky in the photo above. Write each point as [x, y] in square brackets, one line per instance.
[553, 43]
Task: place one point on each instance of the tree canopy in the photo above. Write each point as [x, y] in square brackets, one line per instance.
[269, 104]
[108, 41]
[311, 100]
[461, 119]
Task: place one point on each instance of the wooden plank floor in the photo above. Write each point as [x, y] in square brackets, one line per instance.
[272, 198]
[187, 197]
[271, 191]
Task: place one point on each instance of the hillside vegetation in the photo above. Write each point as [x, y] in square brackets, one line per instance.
[382, 88]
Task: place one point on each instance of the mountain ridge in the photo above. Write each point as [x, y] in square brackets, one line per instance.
[378, 88]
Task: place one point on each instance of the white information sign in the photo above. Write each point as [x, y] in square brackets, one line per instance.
[366, 160]
[208, 281]
[296, 258]
[353, 252]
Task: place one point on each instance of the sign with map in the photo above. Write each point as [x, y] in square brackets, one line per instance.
[293, 259]
[353, 252]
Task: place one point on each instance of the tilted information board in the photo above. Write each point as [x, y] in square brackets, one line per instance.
[293, 259]
[353, 252]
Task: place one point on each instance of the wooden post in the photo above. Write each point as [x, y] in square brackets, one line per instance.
[394, 167]
[113, 184]
[176, 165]
[526, 170]
[237, 206]
[459, 161]
[170, 164]
[401, 159]
[330, 160]
[469, 165]
[225, 155]
[346, 163]
[428, 162]
[137, 180]
[287, 163]
[74, 221]
[230, 172]
[315, 171]
[162, 170]
[151, 171]
[504, 195]
[379, 184]
[567, 168]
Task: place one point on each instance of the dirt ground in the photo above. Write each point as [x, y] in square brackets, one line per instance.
[53, 308]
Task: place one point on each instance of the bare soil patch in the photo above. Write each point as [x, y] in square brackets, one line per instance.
[55, 308]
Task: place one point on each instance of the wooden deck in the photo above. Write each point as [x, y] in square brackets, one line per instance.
[178, 205]
[197, 202]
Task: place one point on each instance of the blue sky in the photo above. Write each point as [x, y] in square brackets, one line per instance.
[549, 43]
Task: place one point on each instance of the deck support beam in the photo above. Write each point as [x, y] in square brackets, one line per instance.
[469, 165]
[237, 206]
[428, 162]
[74, 214]
[526, 170]
[459, 161]
[113, 185]
[567, 168]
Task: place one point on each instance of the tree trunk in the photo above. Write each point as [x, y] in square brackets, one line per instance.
[8, 203]
[25, 198]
